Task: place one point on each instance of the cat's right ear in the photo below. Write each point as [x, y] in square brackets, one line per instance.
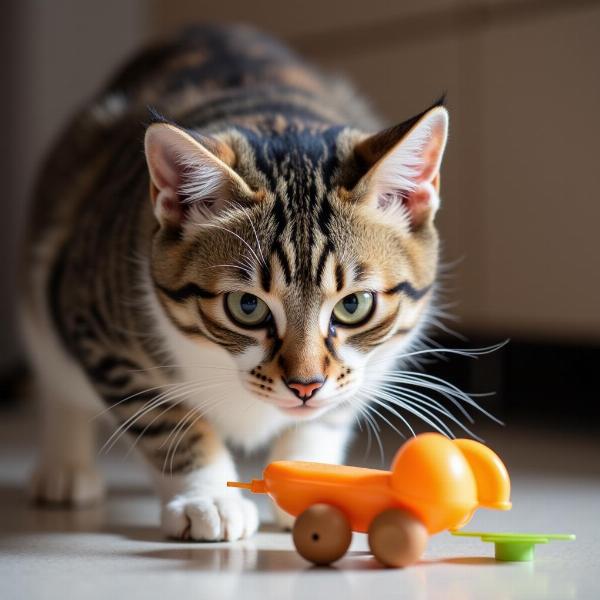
[189, 177]
[402, 165]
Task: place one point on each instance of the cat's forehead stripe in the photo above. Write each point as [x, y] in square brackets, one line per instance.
[298, 166]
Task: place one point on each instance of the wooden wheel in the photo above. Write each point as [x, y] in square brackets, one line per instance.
[322, 534]
[396, 538]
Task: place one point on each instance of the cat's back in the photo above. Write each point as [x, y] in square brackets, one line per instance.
[209, 78]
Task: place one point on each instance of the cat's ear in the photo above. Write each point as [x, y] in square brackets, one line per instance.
[402, 165]
[189, 176]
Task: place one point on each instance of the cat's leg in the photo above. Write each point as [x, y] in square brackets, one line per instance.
[324, 440]
[191, 468]
[66, 471]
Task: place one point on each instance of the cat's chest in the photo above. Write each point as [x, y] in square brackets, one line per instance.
[247, 422]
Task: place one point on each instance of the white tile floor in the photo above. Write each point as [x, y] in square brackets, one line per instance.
[115, 551]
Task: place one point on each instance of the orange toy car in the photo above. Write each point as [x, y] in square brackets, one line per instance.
[435, 484]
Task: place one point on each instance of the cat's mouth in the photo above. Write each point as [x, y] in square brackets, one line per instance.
[302, 410]
[311, 408]
[293, 407]
[299, 409]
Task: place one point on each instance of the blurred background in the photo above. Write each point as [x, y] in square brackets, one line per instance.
[521, 206]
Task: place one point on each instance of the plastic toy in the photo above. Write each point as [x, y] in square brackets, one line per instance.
[435, 484]
[515, 547]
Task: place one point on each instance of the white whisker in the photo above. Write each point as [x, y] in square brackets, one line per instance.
[200, 412]
[446, 389]
[434, 421]
[244, 269]
[132, 396]
[372, 398]
[182, 399]
[418, 400]
[264, 262]
[186, 366]
[371, 424]
[234, 234]
[164, 398]
[393, 383]
[440, 325]
[155, 402]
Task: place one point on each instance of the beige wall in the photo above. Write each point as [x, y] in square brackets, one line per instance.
[521, 180]
[59, 52]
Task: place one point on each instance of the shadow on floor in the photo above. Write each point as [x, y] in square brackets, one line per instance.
[246, 556]
[24, 516]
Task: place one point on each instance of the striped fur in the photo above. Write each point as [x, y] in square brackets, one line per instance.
[136, 303]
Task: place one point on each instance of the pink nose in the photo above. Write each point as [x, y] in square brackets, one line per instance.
[305, 390]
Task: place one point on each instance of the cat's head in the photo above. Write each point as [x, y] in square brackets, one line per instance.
[302, 253]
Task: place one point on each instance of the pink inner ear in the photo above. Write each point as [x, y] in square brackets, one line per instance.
[430, 158]
[168, 208]
[165, 170]
[418, 203]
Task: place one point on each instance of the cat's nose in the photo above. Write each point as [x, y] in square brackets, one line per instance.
[305, 389]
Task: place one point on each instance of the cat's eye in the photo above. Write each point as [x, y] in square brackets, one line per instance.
[354, 309]
[246, 310]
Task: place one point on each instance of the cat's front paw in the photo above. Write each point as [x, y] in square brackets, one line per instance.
[208, 519]
[74, 485]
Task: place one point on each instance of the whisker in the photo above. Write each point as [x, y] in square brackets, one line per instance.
[372, 398]
[440, 325]
[200, 412]
[264, 262]
[429, 386]
[451, 392]
[164, 398]
[187, 366]
[371, 424]
[131, 396]
[466, 352]
[188, 415]
[357, 416]
[245, 269]
[234, 234]
[155, 402]
[442, 427]
[197, 405]
[169, 407]
[418, 399]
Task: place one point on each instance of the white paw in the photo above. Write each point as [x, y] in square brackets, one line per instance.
[204, 518]
[283, 519]
[67, 484]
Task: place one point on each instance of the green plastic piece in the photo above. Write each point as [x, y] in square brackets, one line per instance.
[515, 547]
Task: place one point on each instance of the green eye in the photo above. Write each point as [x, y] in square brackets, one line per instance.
[246, 309]
[354, 309]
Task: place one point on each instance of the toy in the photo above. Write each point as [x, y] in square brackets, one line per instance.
[515, 547]
[435, 484]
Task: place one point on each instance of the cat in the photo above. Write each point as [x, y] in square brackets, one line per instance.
[240, 265]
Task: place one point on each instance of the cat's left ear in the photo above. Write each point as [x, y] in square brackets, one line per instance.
[403, 168]
[190, 177]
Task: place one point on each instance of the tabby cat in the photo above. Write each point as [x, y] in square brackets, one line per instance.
[240, 265]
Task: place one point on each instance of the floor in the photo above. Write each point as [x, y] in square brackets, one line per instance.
[115, 551]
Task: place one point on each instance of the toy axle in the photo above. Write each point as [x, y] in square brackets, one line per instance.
[256, 486]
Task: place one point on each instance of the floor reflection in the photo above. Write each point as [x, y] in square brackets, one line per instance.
[125, 532]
